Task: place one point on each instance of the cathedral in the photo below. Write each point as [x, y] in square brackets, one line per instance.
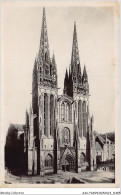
[59, 134]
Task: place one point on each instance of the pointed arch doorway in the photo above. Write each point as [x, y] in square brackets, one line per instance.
[69, 163]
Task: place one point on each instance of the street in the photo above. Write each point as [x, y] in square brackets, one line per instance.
[64, 177]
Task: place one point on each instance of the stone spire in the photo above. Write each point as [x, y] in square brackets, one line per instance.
[44, 45]
[66, 80]
[84, 77]
[53, 60]
[75, 52]
[46, 68]
[53, 71]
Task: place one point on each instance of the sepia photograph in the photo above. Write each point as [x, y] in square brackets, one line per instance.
[60, 94]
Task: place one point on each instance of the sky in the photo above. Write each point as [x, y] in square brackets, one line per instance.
[21, 29]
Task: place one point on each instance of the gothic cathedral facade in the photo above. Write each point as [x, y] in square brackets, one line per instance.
[60, 127]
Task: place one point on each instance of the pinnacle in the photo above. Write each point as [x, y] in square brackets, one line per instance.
[66, 75]
[84, 71]
[92, 118]
[53, 59]
[53, 55]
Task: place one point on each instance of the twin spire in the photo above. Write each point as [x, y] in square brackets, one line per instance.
[48, 66]
[45, 65]
[75, 77]
[75, 61]
[44, 53]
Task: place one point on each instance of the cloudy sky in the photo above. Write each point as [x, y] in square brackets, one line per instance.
[21, 27]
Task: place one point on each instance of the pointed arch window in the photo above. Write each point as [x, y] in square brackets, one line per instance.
[52, 115]
[45, 114]
[62, 112]
[80, 117]
[70, 113]
[66, 112]
[84, 116]
[82, 158]
[66, 136]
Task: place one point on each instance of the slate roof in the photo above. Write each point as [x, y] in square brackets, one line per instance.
[102, 139]
[98, 146]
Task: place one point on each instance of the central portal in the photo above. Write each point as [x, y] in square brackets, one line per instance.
[65, 166]
[68, 163]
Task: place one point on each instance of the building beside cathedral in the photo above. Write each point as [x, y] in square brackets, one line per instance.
[58, 134]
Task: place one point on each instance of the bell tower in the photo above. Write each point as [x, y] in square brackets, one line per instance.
[44, 98]
[76, 85]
